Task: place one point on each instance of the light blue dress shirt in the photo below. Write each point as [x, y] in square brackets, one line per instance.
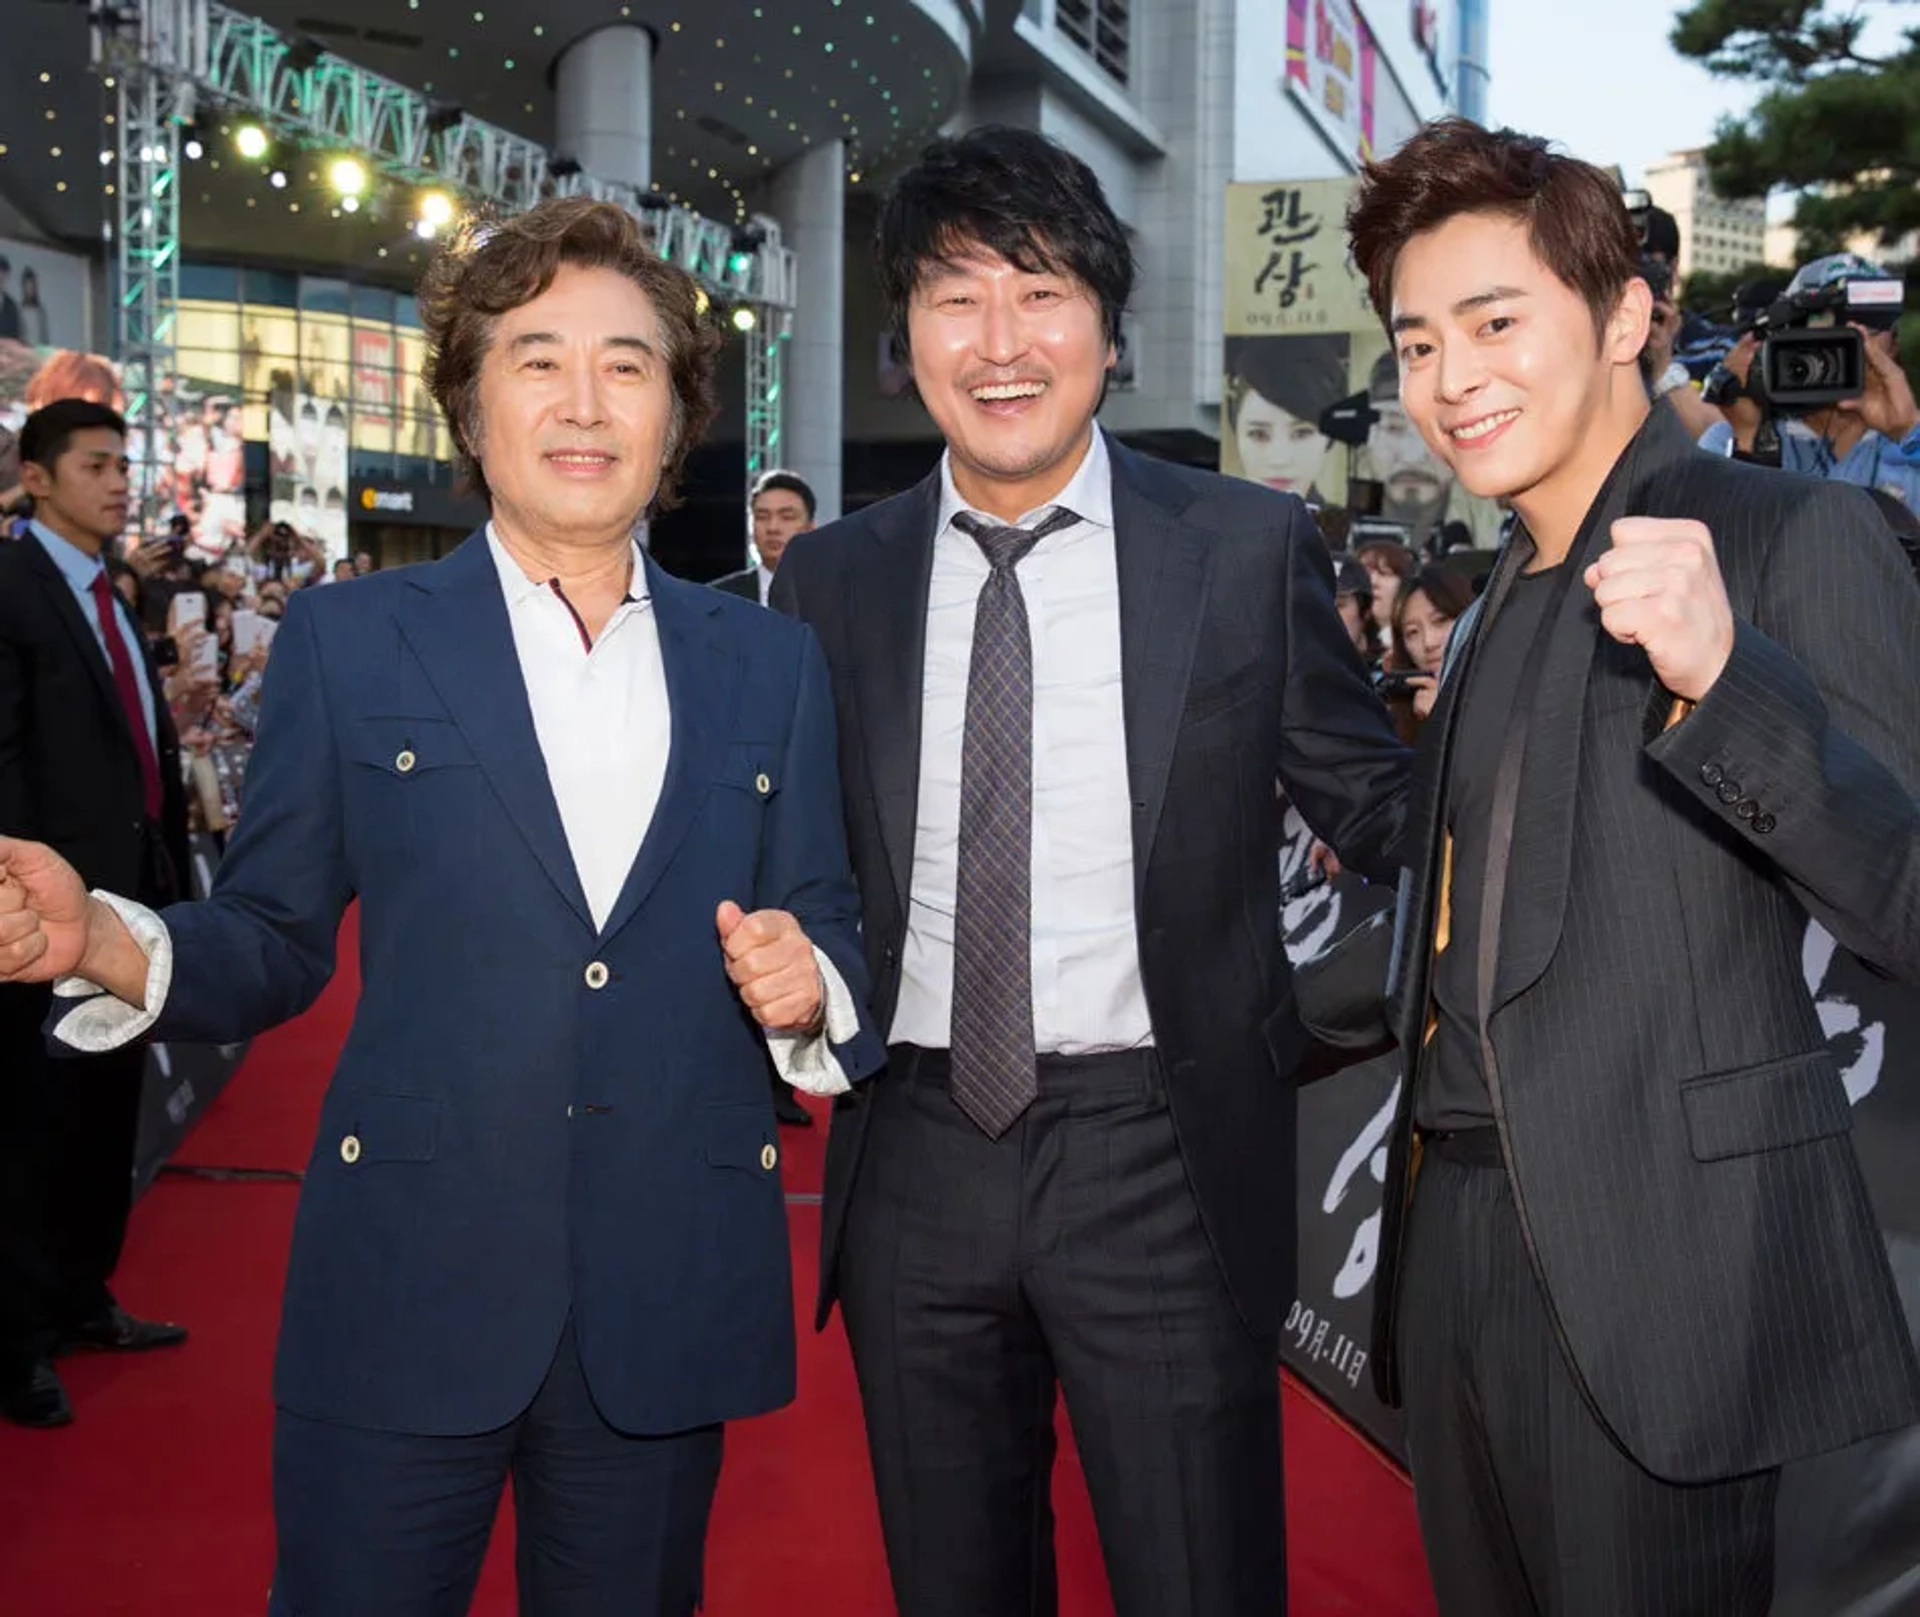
[79, 570]
[1874, 462]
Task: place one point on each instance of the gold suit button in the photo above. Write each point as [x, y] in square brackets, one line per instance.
[768, 1157]
[597, 975]
[761, 784]
[405, 762]
[350, 1149]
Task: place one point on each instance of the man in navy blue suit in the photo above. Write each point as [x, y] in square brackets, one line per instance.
[592, 818]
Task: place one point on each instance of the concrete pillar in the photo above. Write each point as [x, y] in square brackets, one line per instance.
[809, 200]
[603, 104]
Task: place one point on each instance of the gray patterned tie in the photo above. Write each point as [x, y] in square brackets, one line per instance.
[993, 1056]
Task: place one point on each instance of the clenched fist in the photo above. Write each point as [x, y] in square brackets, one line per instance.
[43, 914]
[773, 966]
[1659, 588]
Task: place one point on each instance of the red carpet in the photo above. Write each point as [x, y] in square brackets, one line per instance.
[156, 1501]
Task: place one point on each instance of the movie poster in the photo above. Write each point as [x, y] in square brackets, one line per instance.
[1300, 336]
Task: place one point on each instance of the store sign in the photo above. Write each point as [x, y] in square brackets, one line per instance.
[394, 501]
[1332, 62]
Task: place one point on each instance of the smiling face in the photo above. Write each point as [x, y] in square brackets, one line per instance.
[574, 410]
[1010, 365]
[1503, 373]
[1277, 448]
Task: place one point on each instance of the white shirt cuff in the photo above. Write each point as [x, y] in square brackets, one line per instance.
[806, 1060]
[98, 1022]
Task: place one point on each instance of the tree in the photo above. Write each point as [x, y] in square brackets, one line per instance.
[1835, 124]
[1710, 292]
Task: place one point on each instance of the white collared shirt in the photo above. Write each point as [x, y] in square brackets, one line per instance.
[764, 578]
[601, 716]
[1087, 990]
[604, 724]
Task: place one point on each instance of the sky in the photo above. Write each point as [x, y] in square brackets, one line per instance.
[1548, 78]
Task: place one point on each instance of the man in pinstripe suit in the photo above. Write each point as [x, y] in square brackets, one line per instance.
[1628, 1262]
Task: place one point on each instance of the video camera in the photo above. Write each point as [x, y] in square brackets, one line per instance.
[1810, 356]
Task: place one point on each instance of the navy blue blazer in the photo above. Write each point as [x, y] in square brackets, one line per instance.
[530, 1116]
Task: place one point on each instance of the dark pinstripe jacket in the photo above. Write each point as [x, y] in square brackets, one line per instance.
[1675, 1130]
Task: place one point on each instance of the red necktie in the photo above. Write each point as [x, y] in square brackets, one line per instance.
[106, 604]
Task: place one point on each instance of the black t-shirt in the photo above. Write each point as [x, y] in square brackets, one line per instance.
[1453, 1094]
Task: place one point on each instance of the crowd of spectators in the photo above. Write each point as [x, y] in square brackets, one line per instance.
[209, 625]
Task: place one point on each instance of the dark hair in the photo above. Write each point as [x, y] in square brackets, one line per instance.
[1014, 193]
[1574, 214]
[1450, 592]
[492, 267]
[1399, 557]
[1302, 375]
[787, 482]
[46, 434]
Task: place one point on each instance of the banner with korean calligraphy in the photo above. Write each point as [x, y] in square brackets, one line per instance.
[1300, 336]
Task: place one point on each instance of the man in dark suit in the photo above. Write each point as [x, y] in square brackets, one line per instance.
[783, 508]
[90, 764]
[1628, 1264]
[782, 505]
[542, 1235]
[1069, 678]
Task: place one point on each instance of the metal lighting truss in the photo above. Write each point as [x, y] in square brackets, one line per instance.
[170, 56]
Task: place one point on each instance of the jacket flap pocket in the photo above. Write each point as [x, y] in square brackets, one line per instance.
[405, 747]
[1765, 1108]
[741, 1137]
[393, 1128]
[753, 766]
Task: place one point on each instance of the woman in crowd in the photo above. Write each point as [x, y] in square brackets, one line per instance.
[1423, 617]
[1276, 389]
[1389, 564]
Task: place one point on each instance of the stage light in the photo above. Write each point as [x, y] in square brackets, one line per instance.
[744, 318]
[278, 180]
[250, 141]
[303, 55]
[349, 204]
[436, 210]
[347, 175]
[562, 168]
[701, 302]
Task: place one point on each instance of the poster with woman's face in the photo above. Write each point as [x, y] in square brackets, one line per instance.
[1276, 390]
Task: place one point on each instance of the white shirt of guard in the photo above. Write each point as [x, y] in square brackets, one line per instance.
[764, 579]
[1087, 992]
[604, 723]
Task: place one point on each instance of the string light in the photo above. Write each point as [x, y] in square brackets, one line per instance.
[250, 141]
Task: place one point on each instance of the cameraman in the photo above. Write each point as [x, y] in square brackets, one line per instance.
[1872, 441]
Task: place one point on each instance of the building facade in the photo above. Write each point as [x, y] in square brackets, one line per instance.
[1716, 235]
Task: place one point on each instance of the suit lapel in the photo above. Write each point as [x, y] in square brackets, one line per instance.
[86, 645]
[1534, 911]
[456, 622]
[891, 587]
[703, 690]
[1162, 573]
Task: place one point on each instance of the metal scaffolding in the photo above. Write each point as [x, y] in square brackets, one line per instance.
[168, 59]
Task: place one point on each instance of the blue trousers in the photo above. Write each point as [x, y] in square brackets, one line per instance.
[394, 1524]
